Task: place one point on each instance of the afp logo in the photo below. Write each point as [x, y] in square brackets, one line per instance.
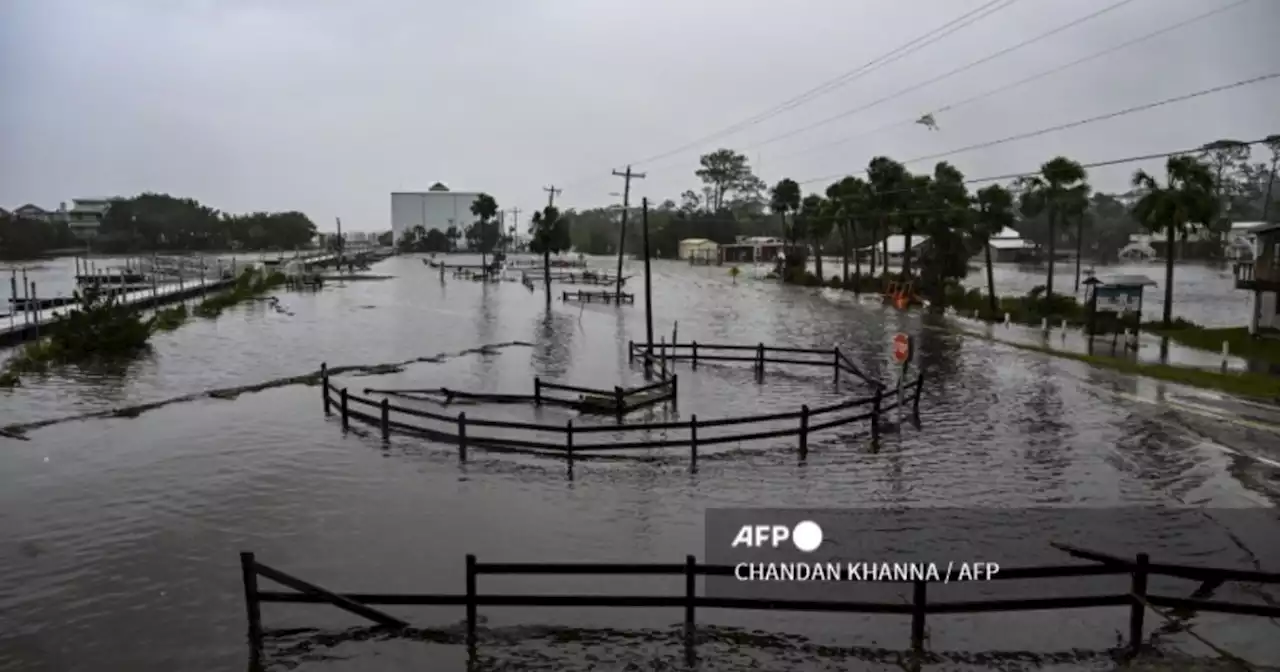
[806, 536]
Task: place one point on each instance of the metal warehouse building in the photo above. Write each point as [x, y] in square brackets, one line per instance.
[436, 208]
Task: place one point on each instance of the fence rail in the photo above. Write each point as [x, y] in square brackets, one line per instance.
[691, 434]
[1138, 599]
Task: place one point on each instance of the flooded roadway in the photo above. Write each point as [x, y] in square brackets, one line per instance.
[118, 536]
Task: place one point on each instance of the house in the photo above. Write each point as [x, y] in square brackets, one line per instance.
[897, 244]
[1262, 277]
[699, 250]
[1010, 246]
[33, 212]
[1238, 245]
[85, 216]
[751, 250]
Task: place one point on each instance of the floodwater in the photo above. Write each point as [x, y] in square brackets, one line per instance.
[119, 536]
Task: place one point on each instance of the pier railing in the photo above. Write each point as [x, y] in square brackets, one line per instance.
[1138, 599]
[575, 441]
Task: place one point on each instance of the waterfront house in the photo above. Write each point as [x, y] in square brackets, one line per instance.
[33, 212]
[1240, 240]
[85, 216]
[1010, 246]
[751, 249]
[897, 245]
[1262, 277]
[699, 250]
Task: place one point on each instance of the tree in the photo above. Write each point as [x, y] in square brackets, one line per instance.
[1273, 143]
[948, 222]
[485, 234]
[453, 234]
[548, 233]
[1188, 197]
[852, 196]
[889, 193]
[1224, 158]
[726, 172]
[994, 212]
[1051, 192]
[785, 198]
[817, 226]
[1076, 209]
[921, 198]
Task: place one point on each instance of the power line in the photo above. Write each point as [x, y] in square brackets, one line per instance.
[1003, 52]
[1077, 123]
[1027, 80]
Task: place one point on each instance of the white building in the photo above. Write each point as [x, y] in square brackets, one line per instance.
[85, 216]
[436, 208]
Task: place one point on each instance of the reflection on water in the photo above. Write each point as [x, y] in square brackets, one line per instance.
[126, 529]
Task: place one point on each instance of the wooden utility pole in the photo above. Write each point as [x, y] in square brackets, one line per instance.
[551, 195]
[648, 286]
[626, 176]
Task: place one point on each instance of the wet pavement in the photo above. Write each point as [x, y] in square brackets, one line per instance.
[118, 536]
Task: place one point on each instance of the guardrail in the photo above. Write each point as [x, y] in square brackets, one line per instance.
[1138, 599]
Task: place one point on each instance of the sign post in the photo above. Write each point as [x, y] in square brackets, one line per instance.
[902, 351]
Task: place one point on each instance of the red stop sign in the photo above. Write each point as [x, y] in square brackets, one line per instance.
[901, 348]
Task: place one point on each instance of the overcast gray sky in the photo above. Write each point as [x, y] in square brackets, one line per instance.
[327, 106]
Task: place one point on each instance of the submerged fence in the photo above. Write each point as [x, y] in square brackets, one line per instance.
[576, 441]
[1138, 599]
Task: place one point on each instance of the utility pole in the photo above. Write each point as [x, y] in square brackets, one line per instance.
[648, 286]
[515, 221]
[341, 243]
[551, 195]
[626, 176]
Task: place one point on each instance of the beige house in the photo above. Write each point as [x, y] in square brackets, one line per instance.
[699, 249]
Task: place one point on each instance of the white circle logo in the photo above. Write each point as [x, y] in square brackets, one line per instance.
[807, 536]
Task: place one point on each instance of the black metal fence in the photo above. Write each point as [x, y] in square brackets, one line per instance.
[1138, 599]
[575, 441]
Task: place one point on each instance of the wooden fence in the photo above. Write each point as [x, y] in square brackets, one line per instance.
[1138, 599]
[692, 434]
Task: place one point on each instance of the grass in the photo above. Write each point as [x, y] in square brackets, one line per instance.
[1251, 385]
[1239, 342]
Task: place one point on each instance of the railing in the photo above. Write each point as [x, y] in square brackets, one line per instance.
[1243, 271]
[1138, 599]
[692, 434]
[1264, 270]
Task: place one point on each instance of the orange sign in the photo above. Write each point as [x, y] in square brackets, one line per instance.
[901, 348]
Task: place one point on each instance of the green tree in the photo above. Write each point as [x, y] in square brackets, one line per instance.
[454, 235]
[1051, 192]
[548, 233]
[948, 222]
[485, 233]
[851, 196]
[918, 200]
[890, 193]
[726, 172]
[994, 212]
[1076, 209]
[1224, 159]
[1188, 198]
[1273, 143]
[816, 223]
[784, 198]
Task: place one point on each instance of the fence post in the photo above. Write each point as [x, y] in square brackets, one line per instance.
[915, 403]
[324, 385]
[471, 605]
[345, 422]
[760, 360]
[35, 302]
[694, 357]
[835, 363]
[804, 431]
[662, 355]
[618, 401]
[386, 419]
[1139, 608]
[875, 413]
[693, 441]
[462, 437]
[568, 441]
[249, 571]
[537, 391]
[675, 389]
[690, 599]
[918, 599]
[631, 351]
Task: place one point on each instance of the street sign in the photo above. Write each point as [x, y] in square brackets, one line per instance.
[901, 348]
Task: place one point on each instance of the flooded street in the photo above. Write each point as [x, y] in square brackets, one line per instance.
[119, 536]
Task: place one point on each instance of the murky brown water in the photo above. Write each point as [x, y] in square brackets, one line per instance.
[119, 537]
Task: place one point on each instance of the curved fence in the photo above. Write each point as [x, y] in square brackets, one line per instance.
[572, 440]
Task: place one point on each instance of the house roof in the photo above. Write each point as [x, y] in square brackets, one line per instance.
[696, 241]
[1265, 228]
[1007, 233]
[898, 243]
[1127, 281]
[1010, 243]
[29, 207]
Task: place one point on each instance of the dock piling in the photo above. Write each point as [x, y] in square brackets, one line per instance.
[346, 424]
[804, 431]
[462, 437]
[324, 386]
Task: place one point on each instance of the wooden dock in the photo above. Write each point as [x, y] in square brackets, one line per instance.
[25, 323]
[600, 296]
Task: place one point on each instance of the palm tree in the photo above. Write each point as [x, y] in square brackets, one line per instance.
[918, 198]
[544, 239]
[994, 206]
[1051, 192]
[785, 198]
[486, 209]
[1076, 209]
[852, 195]
[817, 226]
[1188, 198]
[890, 185]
